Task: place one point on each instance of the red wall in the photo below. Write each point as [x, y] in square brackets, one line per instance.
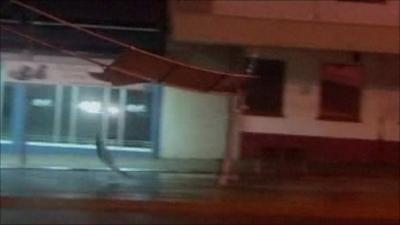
[322, 149]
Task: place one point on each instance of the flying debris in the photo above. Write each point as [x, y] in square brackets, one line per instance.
[106, 157]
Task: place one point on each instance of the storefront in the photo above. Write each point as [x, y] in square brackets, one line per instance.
[50, 104]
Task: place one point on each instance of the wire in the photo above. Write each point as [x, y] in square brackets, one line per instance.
[122, 44]
[43, 13]
[73, 54]
[65, 51]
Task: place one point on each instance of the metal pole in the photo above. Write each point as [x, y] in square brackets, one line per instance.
[105, 114]
[19, 121]
[2, 81]
[57, 113]
[233, 140]
[121, 118]
[73, 114]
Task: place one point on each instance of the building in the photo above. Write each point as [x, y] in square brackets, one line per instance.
[330, 73]
[328, 89]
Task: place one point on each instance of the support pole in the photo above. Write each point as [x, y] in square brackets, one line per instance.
[19, 121]
[232, 150]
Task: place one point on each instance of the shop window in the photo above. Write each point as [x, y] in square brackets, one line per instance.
[7, 96]
[65, 116]
[264, 96]
[340, 95]
[71, 114]
[122, 115]
[114, 112]
[137, 118]
[89, 108]
[40, 102]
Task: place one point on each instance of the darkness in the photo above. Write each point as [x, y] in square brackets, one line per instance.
[138, 13]
[141, 23]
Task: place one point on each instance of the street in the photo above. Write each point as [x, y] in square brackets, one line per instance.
[101, 197]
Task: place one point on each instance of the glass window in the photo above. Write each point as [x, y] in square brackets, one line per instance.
[89, 108]
[6, 111]
[40, 112]
[340, 98]
[65, 114]
[113, 112]
[124, 115]
[265, 96]
[137, 118]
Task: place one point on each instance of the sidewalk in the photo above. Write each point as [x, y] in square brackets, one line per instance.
[246, 169]
[91, 161]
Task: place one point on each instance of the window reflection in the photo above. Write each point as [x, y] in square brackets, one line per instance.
[114, 113]
[6, 111]
[40, 112]
[72, 115]
[137, 118]
[65, 116]
[88, 121]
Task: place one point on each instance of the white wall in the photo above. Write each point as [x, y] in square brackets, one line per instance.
[380, 97]
[193, 125]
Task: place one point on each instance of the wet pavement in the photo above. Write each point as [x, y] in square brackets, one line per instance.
[79, 196]
[100, 183]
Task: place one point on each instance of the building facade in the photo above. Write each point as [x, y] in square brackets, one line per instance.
[328, 85]
[329, 73]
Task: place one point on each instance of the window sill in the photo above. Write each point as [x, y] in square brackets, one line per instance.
[261, 113]
[339, 119]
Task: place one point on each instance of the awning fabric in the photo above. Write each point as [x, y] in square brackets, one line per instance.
[137, 66]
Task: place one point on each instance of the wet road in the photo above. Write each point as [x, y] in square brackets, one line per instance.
[158, 198]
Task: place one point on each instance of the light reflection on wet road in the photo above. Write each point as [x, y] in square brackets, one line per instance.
[355, 199]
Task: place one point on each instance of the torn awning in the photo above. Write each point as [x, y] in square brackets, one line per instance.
[137, 66]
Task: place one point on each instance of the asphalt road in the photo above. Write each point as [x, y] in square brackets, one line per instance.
[102, 197]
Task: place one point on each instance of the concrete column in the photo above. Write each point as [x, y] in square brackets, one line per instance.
[232, 151]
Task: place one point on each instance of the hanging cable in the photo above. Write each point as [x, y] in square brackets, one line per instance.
[65, 51]
[55, 18]
[73, 54]
[134, 49]
[119, 43]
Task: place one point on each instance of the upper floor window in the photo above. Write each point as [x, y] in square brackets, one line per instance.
[340, 96]
[264, 96]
